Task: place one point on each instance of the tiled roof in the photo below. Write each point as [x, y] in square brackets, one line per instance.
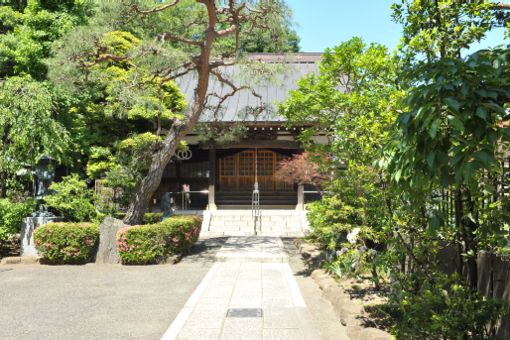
[272, 89]
[307, 57]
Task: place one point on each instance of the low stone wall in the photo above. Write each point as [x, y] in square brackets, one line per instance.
[351, 312]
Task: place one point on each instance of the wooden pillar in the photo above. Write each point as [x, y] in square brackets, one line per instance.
[300, 197]
[212, 178]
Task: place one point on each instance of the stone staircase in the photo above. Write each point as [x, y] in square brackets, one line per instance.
[239, 199]
[277, 223]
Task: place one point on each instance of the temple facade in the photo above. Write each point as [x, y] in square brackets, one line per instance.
[213, 175]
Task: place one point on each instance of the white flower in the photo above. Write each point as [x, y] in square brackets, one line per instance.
[352, 237]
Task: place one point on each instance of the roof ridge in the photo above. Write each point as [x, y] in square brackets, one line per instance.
[300, 57]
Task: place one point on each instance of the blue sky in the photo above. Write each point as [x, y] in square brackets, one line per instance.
[326, 23]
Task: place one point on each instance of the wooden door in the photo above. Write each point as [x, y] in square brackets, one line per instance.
[237, 172]
[266, 169]
[246, 174]
[228, 173]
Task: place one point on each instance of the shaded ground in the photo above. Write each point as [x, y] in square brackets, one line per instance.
[323, 316]
[98, 301]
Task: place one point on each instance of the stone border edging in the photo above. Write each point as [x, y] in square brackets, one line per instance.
[20, 260]
[350, 312]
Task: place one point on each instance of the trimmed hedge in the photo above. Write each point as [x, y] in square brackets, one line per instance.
[72, 243]
[147, 244]
[152, 218]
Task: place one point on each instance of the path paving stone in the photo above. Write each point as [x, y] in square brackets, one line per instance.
[253, 277]
[252, 249]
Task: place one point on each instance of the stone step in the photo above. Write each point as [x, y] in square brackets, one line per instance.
[264, 212]
[216, 233]
[252, 249]
[262, 226]
[285, 223]
[261, 218]
[251, 226]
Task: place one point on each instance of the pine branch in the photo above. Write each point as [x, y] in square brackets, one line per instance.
[234, 89]
[169, 36]
[156, 9]
[502, 5]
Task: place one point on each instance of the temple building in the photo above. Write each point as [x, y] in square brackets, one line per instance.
[222, 175]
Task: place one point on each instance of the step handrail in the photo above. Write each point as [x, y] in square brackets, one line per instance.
[255, 206]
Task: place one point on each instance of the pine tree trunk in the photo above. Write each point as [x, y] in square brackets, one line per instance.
[150, 183]
[140, 202]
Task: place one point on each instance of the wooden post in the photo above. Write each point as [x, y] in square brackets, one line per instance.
[300, 197]
[212, 178]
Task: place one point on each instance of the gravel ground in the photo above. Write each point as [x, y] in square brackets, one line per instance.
[98, 301]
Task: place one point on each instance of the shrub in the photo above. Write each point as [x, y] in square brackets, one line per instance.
[72, 199]
[446, 310]
[152, 218]
[155, 242]
[72, 243]
[11, 216]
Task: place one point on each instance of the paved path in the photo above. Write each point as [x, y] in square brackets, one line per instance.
[251, 294]
[252, 249]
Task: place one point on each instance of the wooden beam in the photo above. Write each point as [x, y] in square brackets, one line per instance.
[261, 144]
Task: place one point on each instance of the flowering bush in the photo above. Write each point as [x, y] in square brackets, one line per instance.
[72, 243]
[155, 242]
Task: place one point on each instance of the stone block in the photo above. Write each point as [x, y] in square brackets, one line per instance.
[11, 260]
[107, 251]
[370, 333]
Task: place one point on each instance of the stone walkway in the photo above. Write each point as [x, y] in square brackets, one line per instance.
[250, 293]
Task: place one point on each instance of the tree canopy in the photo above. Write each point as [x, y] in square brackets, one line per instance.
[351, 100]
[28, 127]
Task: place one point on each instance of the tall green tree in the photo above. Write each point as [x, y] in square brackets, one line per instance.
[27, 31]
[449, 142]
[28, 28]
[176, 38]
[353, 101]
[29, 128]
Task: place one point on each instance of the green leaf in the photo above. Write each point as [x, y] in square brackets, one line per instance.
[481, 112]
[506, 131]
[434, 127]
[484, 156]
[398, 174]
[495, 107]
[456, 123]
[452, 103]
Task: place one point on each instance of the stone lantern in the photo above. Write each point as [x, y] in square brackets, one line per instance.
[44, 174]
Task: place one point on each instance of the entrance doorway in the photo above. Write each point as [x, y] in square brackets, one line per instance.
[237, 171]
